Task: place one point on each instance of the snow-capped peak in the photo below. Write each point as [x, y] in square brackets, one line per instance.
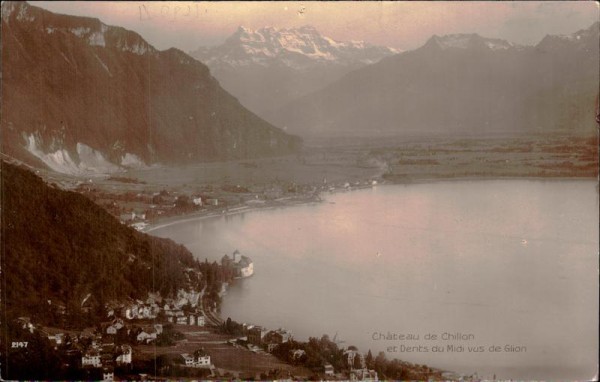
[469, 40]
[582, 36]
[299, 47]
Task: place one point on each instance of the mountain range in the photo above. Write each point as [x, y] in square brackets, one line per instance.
[268, 67]
[80, 96]
[460, 84]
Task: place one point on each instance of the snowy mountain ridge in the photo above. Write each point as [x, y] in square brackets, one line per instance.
[298, 48]
[268, 67]
[471, 40]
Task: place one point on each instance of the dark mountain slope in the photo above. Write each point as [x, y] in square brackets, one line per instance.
[59, 246]
[84, 96]
[461, 84]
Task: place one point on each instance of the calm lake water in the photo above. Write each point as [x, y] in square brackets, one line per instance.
[503, 262]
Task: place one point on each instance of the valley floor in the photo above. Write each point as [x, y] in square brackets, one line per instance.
[226, 187]
[354, 160]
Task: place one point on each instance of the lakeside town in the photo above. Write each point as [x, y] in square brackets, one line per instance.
[184, 337]
[149, 196]
[123, 124]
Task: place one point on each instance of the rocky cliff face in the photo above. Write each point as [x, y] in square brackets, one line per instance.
[270, 66]
[81, 96]
[461, 84]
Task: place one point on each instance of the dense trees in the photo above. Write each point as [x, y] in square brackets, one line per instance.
[215, 275]
[22, 349]
[318, 352]
[232, 327]
[323, 350]
[58, 248]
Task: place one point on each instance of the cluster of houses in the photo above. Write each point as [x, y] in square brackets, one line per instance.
[199, 359]
[179, 317]
[131, 322]
[96, 349]
[26, 324]
[361, 373]
[135, 218]
[355, 374]
[138, 209]
[172, 310]
[107, 355]
[148, 333]
[269, 339]
[93, 349]
[145, 206]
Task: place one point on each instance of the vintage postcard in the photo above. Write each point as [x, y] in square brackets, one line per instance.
[299, 191]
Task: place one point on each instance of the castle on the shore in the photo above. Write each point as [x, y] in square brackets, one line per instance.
[242, 265]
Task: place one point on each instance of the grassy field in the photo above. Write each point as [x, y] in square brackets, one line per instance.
[233, 361]
[393, 160]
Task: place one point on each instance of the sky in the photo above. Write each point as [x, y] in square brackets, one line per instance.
[401, 25]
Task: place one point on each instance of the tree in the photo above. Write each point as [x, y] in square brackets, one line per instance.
[183, 201]
[357, 364]
[380, 363]
[17, 362]
[369, 360]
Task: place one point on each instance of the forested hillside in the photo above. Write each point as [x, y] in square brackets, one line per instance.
[58, 248]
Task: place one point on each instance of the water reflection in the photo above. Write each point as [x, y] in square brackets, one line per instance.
[514, 262]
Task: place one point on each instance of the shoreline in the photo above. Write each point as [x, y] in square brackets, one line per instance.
[201, 215]
[321, 197]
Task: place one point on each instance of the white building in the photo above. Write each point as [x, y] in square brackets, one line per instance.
[351, 355]
[200, 359]
[91, 359]
[328, 369]
[57, 338]
[131, 312]
[108, 376]
[203, 361]
[297, 353]
[243, 265]
[364, 375]
[118, 323]
[181, 320]
[125, 357]
[188, 359]
[145, 337]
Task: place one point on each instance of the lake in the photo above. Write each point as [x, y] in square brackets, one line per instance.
[507, 270]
